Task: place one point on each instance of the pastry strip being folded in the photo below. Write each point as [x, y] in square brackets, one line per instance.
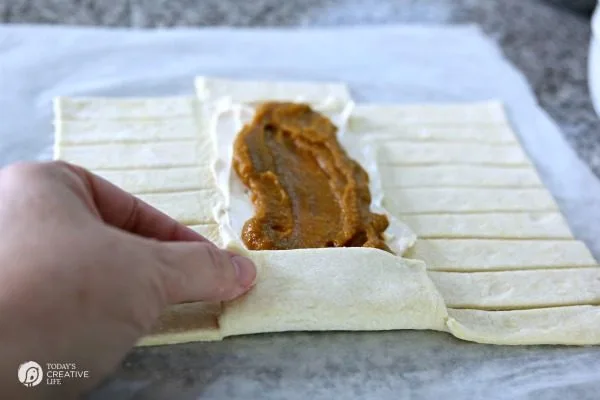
[352, 289]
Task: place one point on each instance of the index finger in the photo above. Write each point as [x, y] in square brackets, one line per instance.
[125, 211]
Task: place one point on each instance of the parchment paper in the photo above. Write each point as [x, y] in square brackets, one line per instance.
[408, 64]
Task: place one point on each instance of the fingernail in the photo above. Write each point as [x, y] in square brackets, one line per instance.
[245, 270]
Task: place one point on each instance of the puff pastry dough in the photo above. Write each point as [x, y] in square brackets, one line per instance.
[495, 249]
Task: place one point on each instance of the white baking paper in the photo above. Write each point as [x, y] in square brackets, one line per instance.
[410, 64]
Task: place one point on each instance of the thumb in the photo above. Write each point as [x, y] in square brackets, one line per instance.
[200, 271]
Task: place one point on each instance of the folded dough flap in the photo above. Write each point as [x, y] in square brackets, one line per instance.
[573, 325]
[190, 322]
[346, 289]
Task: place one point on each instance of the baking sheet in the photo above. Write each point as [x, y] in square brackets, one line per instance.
[409, 64]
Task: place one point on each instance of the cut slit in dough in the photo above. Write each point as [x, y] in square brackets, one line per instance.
[511, 290]
[489, 255]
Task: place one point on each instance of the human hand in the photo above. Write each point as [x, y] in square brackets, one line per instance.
[86, 269]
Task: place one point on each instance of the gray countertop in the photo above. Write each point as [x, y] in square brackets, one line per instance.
[549, 44]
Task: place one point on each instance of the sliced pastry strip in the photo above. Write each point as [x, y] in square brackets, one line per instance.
[133, 155]
[572, 325]
[509, 290]
[402, 201]
[481, 115]
[95, 131]
[458, 176]
[526, 225]
[113, 108]
[431, 153]
[497, 255]
[494, 134]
